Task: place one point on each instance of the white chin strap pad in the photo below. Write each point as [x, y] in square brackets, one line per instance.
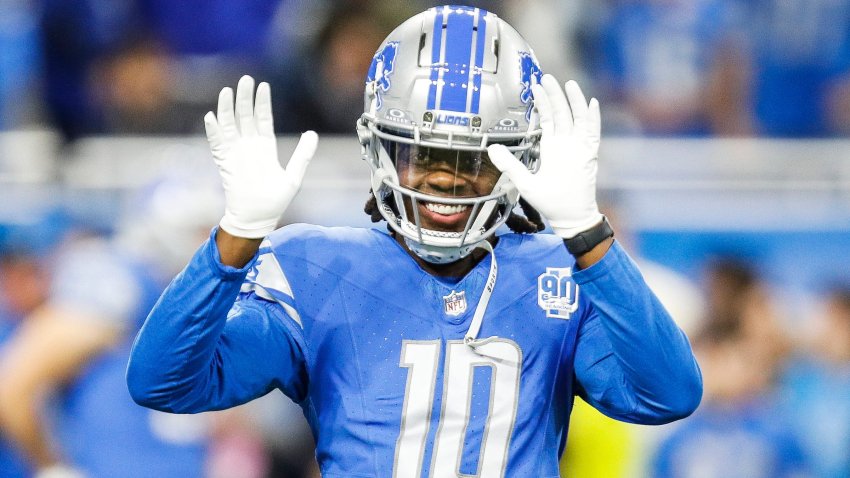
[438, 255]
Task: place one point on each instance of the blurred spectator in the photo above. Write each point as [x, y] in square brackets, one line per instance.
[213, 42]
[63, 397]
[800, 63]
[321, 86]
[25, 248]
[737, 299]
[739, 429]
[816, 389]
[122, 66]
[23, 288]
[75, 34]
[323, 89]
[132, 90]
[27, 241]
[664, 67]
[728, 283]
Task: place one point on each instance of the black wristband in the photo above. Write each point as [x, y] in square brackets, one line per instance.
[587, 240]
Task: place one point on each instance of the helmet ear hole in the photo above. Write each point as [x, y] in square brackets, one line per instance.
[531, 158]
[534, 152]
[363, 133]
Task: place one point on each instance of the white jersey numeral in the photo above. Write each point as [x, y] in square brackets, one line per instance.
[421, 358]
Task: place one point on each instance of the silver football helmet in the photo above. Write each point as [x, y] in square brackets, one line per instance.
[443, 86]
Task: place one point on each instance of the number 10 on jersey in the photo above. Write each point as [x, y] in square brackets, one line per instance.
[421, 358]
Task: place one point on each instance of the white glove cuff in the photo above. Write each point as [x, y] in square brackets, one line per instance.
[569, 232]
[248, 231]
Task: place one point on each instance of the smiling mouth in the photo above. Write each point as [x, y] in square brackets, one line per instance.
[444, 217]
[445, 209]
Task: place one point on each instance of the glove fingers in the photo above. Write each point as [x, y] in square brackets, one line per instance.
[304, 152]
[541, 102]
[245, 106]
[594, 122]
[561, 114]
[263, 111]
[578, 104]
[226, 120]
[213, 132]
[509, 165]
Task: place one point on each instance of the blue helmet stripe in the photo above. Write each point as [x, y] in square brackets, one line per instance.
[436, 47]
[480, 47]
[458, 56]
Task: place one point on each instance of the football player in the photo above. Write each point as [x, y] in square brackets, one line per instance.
[63, 402]
[437, 348]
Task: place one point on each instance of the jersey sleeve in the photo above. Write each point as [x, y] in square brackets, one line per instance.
[632, 362]
[202, 349]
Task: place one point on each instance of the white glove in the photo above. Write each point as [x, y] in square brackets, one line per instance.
[257, 189]
[564, 188]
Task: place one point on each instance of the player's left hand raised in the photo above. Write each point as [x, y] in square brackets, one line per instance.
[563, 189]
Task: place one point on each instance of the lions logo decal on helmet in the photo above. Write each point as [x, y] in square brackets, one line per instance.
[381, 68]
[530, 74]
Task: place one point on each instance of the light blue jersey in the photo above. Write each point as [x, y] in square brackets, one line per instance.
[99, 429]
[347, 324]
[745, 440]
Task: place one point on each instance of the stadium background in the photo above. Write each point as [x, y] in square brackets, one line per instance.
[725, 164]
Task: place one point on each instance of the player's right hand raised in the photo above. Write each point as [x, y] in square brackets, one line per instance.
[257, 188]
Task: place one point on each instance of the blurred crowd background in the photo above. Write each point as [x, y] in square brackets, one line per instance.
[725, 168]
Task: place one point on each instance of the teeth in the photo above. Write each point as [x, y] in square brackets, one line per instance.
[445, 209]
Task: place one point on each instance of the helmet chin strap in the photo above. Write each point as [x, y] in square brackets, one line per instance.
[471, 338]
[436, 254]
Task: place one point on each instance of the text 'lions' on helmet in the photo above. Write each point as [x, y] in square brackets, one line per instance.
[443, 86]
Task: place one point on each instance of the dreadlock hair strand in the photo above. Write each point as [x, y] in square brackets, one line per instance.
[529, 224]
[371, 208]
[532, 214]
[520, 224]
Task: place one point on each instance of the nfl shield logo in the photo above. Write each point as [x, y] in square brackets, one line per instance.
[455, 303]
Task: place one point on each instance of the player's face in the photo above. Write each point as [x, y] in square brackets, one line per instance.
[443, 173]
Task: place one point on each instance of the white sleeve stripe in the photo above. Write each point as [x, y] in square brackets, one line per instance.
[269, 273]
[293, 314]
[267, 280]
[264, 294]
